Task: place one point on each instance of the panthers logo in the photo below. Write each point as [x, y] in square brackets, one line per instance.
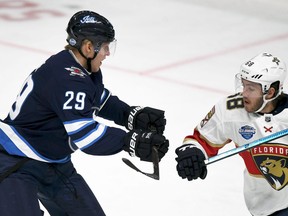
[275, 172]
[271, 161]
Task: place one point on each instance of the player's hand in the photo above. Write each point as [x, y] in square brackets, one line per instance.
[146, 118]
[140, 143]
[190, 162]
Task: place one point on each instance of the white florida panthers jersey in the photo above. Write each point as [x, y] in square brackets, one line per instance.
[266, 173]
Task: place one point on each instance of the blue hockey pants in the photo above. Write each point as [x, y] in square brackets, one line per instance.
[61, 190]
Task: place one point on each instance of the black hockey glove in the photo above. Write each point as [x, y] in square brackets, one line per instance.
[146, 118]
[190, 162]
[139, 143]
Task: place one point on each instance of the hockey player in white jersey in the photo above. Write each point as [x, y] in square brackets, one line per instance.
[259, 109]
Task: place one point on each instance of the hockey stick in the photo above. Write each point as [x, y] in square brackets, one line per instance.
[247, 146]
[155, 159]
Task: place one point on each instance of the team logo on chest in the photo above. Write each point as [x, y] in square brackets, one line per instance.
[74, 71]
[271, 160]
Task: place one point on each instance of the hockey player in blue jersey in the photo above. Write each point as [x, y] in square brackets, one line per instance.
[54, 115]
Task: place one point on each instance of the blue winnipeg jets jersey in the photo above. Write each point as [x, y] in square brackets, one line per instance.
[54, 113]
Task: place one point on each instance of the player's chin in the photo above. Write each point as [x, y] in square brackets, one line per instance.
[96, 67]
[248, 107]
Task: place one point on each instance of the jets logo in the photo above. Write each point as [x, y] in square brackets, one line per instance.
[74, 71]
[271, 160]
[89, 19]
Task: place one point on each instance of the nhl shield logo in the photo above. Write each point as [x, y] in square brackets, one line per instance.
[271, 160]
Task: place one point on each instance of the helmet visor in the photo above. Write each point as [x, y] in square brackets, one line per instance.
[248, 88]
[238, 83]
[107, 48]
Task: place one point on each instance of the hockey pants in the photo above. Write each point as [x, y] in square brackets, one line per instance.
[283, 212]
[61, 190]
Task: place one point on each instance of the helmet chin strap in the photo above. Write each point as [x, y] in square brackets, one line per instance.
[89, 67]
[263, 104]
[265, 101]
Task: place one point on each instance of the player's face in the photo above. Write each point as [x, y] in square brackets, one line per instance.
[104, 51]
[252, 95]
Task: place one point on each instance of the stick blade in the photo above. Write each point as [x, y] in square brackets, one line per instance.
[155, 175]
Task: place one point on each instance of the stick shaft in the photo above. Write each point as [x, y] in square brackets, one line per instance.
[247, 146]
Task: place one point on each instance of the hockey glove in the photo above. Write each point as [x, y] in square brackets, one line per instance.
[146, 118]
[190, 162]
[139, 143]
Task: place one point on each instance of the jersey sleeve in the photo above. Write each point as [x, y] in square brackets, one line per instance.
[208, 135]
[111, 107]
[115, 110]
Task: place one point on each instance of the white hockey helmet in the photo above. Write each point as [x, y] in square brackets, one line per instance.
[265, 69]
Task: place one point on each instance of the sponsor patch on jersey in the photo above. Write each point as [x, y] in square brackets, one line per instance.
[207, 117]
[271, 160]
[247, 132]
[74, 71]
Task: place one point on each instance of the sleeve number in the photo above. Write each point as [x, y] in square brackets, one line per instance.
[74, 101]
[21, 97]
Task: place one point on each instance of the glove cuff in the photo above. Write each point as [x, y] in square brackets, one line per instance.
[130, 142]
[196, 145]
